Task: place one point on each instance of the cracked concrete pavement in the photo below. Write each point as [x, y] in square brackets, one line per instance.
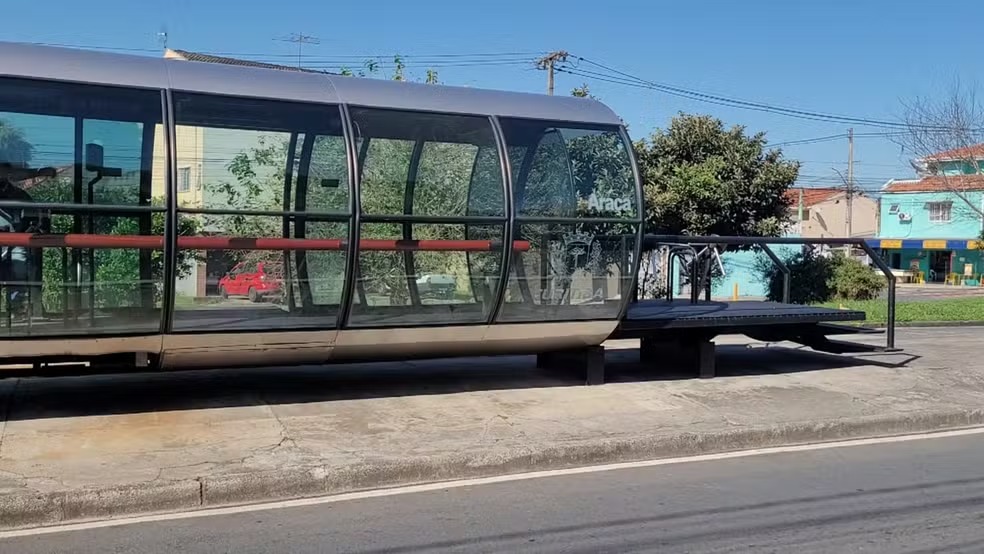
[75, 448]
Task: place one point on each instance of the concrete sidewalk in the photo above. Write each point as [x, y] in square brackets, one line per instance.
[97, 447]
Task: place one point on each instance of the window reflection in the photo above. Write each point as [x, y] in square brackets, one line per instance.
[83, 146]
[254, 157]
[570, 272]
[570, 172]
[427, 164]
[581, 269]
[443, 275]
[417, 166]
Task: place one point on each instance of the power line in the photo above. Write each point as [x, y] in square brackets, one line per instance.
[620, 77]
[813, 140]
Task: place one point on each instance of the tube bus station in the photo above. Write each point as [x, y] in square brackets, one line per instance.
[168, 213]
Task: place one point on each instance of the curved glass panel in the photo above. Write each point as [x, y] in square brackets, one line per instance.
[569, 272]
[81, 209]
[427, 164]
[569, 183]
[418, 171]
[566, 171]
[263, 214]
[437, 277]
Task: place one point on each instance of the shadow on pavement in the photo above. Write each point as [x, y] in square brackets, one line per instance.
[91, 395]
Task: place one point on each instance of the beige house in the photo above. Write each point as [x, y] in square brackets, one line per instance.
[822, 213]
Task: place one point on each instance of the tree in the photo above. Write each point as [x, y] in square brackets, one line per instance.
[582, 92]
[700, 178]
[945, 136]
[370, 68]
[14, 148]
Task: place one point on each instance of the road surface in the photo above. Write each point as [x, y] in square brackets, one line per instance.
[916, 496]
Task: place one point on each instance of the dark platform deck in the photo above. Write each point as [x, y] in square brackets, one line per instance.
[651, 315]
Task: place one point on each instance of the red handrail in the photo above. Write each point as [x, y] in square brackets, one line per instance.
[30, 240]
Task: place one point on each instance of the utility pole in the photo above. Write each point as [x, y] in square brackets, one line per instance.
[300, 39]
[850, 181]
[547, 63]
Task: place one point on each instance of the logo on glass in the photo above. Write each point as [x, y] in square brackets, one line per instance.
[611, 205]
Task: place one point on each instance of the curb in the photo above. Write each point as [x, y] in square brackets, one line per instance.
[18, 511]
[940, 324]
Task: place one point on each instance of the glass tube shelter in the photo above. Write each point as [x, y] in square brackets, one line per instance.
[202, 214]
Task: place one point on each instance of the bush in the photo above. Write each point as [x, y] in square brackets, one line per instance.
[815, 279]
[810, 277]
[853, 280]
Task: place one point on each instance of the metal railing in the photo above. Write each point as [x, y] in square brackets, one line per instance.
[699, 268]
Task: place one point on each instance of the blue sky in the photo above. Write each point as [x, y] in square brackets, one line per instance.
[859, 58]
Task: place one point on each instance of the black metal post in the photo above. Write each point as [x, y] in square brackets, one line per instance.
[786, 277]
[285, 224]
[669, 274]
[694, 279]
[409, 265]
[706, 280]
[300, 221]
[508, 228]
[887, 271]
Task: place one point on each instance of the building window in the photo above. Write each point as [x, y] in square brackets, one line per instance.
[939, 212]
[184, 179]
[893, 209]
[806, 214]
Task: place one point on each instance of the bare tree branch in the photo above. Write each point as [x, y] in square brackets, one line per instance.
[947, 131]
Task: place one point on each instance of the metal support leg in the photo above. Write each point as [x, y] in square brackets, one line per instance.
[650, 349]
[693, 354]
[589, 360]
[594, 365]
[704, 357]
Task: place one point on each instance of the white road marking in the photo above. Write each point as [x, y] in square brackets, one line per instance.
[428, 487]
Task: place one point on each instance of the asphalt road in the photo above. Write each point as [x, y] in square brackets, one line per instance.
[918, 496]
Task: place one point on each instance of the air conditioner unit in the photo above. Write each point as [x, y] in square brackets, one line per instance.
[905, 217]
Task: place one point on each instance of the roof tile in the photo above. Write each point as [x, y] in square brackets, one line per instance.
[975, 152]
[209, 58]
[811, 196]
[937, 183]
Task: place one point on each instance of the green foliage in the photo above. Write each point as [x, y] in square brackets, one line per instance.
[921, 311]
[370, 68]
[117, 270]
[700, 179]
[582, 92]
[815, 278]
[853, 280]
[14, 148]
[810, 277]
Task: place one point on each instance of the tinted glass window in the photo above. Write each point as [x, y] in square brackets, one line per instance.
[80, 145]
[570, 172]
[427, 165]
[274, 191]
[569, 270]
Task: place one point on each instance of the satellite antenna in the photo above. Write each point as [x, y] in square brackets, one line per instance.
[162, 37]
[300, 39]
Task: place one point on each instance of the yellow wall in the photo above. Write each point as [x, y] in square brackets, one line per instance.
[190, 154]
